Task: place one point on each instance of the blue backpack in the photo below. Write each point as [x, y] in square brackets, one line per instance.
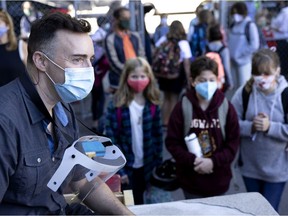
[198, 40]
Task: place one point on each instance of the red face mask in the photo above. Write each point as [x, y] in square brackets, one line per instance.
[138, 85]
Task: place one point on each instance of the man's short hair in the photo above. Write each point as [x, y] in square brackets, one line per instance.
[201, 64]
[117, 13]
[43, 31]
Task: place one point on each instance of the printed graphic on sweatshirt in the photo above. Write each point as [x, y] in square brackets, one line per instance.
[207, 143]
[203, 124]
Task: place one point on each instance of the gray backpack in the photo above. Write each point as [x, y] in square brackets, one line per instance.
[187, 110]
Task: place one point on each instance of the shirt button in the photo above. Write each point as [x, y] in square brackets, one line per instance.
[53, 159]
[39, 160]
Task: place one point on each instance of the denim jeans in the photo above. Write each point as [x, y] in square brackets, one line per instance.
[270, 190]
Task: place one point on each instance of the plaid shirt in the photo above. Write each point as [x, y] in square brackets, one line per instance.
[121, 136]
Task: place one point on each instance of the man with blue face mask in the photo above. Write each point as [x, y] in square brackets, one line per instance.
[38, 125]
[210, 174]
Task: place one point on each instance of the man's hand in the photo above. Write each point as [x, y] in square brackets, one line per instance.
[100, 198]
[203, 165]
[261, 122]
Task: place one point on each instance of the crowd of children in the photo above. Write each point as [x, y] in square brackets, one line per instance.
[147, 110]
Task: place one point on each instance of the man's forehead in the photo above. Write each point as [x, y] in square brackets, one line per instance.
[71, 42]
[125, 14]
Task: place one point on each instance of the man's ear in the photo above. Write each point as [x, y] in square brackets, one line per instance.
[40, 61]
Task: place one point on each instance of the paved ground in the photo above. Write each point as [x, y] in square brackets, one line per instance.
[83, 112]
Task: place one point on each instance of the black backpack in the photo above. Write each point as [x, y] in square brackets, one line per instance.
[164, 176]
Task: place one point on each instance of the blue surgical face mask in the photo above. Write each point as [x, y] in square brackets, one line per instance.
[78, 83]
[3, 30]
[206, 89]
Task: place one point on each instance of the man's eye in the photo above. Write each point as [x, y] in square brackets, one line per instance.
[92, 59]
[78, 60]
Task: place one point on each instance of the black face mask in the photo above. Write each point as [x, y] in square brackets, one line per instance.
[124, 24]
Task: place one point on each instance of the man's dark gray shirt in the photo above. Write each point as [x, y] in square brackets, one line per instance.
[26, 164]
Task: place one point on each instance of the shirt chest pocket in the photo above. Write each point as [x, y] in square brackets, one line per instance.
[35, 172]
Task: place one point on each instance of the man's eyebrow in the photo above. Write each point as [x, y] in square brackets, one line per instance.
[79, 55]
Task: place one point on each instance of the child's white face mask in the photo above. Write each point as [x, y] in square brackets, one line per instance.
[264, 82]
[237, 18]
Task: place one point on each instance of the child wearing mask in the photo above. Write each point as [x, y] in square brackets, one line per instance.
[263, 128]
[134, 124]
[243, 41]
[162, 29]
[210, 174]
[121, 44]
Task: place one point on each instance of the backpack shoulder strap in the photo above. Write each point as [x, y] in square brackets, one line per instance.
[218, 51]
[187, 110]
[152, 109]
[221, 49]
[207, 48]
[247, 33]
[284, 98]
[245, 99]
[222, 115]
[231, 25]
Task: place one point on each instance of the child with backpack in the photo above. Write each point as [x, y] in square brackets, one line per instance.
[171, 62]
[261, 105]
[243, 41]
[198, 40]
[134, 124]
[205, 111]
[216, 46]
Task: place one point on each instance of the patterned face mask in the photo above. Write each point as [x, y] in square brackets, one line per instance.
[264, 82]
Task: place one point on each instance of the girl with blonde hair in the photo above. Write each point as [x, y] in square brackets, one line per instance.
[13, 56]
[263, 127]
[134, 124]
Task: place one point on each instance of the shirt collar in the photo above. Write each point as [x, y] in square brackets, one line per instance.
[60, 114]
[36, 115]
